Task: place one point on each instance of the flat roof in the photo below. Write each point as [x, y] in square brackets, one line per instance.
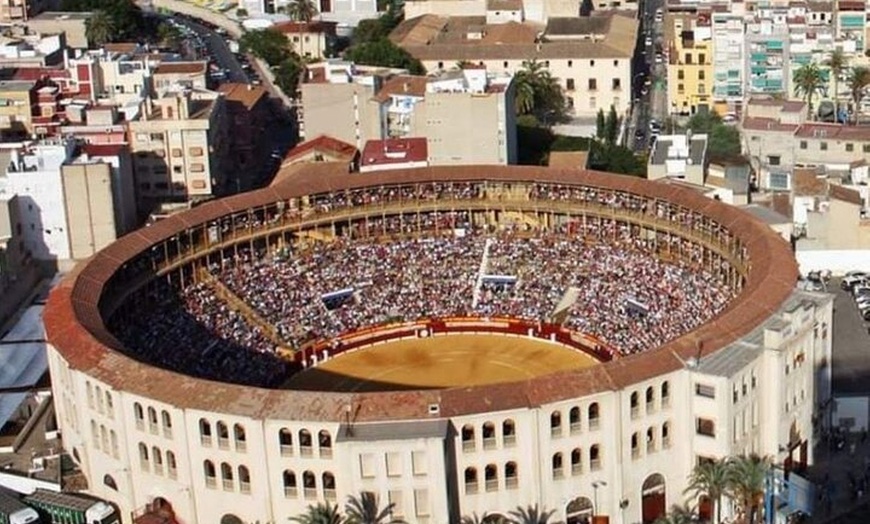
[76, 329]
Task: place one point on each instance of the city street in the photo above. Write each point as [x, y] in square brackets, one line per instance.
[649, 85]
[223, 57]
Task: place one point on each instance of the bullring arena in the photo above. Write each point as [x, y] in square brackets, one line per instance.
[455, 339]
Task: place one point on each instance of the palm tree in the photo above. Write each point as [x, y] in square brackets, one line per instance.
[538, 92]
[837, 64]
[710, 479]
[474, 518]
[99, 28]
[677, 515]
[530, 515]
[747, 476]
[320, 514]
[301, 10]
[808, 82]
[859, 79]
[365, 509]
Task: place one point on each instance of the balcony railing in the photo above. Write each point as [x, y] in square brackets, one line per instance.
[205, 440]
[172, 472]
[467, 445]
[666, 402]
[666, 442]
[152, 428]
[210, 482]
[511, 482]
[650, 407]
[635, 453]
[223, 443]
[651, 446]
[556, 431]
[595, 464]
[635, 411]
[244, 487]
[306, 451]
[510, 441]
[329, 494]
[558, 474]
[286, 450]
[241, 446]
[167, 432]
[309, 493]
[143, 464]
[576, 428]
[470, 488]
[290, 492]
[576, 469]
[228, 484]
[489, 443]
[325, 453]
[594, 423]
[492, 485]
[140, 424]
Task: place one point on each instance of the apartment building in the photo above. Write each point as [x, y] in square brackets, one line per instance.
[310, 40]
[729, 48]
[32, 50]
[184, 74]
[17, 11]
[179, 141]
[690, 62]
[249, 113]
[590, 56]
[467, 114]
[345, 12]
[16, 106]
[768, 60]
[679, 157]
[115, 77]
[69, 205]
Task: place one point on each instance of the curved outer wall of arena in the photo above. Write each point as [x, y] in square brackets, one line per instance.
[623, 435]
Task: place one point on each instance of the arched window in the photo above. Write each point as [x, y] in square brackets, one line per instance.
[511, 477]
[470, 481]
[309, 485]
[593, 415]
[171, 465]
[95, 436]
[289, 484]
[468, 437]
[110, 405]
[329, 486]
[209, 472]
[488, 435]
[227, 476]
[304, 443]
[158, 460]
[509, 433]
[285, 440]
[576, 461]
[666, 394]
[666, 435]
[143, 456]
[650, 400]
[139, 414]
[204, 432]
[635, 404]
[595, 457]
[152, 420]
[167, 423]
[558, 470]
[556, 424]
[635, 445]
[223, 434]
[490, 476]
[324, 442]
[244, 479]
[114, 438]
[574, 420]
[650, 440]
[110, 482]
[99, 395]
[239, 436]
[104, 438]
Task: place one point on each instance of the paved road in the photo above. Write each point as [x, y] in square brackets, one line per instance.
[645, 68]
[220, 52]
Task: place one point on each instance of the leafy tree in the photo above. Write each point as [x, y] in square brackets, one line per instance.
[127, 19]
[99, 28]
[746, 482]
[859, 80]
[615, 158]
[547, 101]
[383, 52]
[168, 35]
[723, 142]
[836, 63]
[611, 126]
[808, 82]
[530, 515]
[677, 515]
[365, 509]
[710, 479]
[378, 28]
[301, 10]
[288, 74]
[320, 514]
[268, 44]
[704, 122]
[600, 125]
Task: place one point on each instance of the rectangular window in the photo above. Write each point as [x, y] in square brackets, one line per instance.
[779, 181]
[773, 160]
[177, 169]
[176, 152]
[823, 146]
[418, 463]
[569, 84]
[196, 167]
[681, 88]
[394, 464]
[156, 136]
[705, 427]
[701, 75]
[681, 74]
[366, 466]
[617, 84]
[196, 151]
[803, 144]
[866, 148]
[702, 58]
[421, 502]
[395, 498]
[689, 58]
[705, 390]
[850, 148]
[593, 84]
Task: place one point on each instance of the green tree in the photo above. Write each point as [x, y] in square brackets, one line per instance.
[710, 479]
[320, 514]
[288, 75]
[723, 142]
[374, 29]
[836, 63]
[384, 53]
[615, 158]
[99, 28]
[611, 126]
[530, 515]
[548, 101]
[808, 82]
[677, 515]
[365, 509]
[128, 22]
[746, 481]
[301, 10]
[168, 36]
[600, 125]
[858, 81]
[704, 122]
[268, 44]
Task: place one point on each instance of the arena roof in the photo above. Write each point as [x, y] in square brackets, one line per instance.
[76, 330]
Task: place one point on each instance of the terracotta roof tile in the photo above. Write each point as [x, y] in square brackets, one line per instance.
[246, 94]
[322, 144]
[845, 194]
[402, 85]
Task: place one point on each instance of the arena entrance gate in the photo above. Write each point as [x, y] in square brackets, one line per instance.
[579, 511]
[653, 498]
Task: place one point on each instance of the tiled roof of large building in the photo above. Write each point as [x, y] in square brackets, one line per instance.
[246, 94]
[76, 329]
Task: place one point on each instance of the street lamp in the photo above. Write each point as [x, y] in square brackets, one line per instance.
[595, 485]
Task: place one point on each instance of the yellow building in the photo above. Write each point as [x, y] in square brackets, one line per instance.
[690, 62]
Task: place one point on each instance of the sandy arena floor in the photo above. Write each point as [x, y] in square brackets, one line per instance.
[440, 362]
